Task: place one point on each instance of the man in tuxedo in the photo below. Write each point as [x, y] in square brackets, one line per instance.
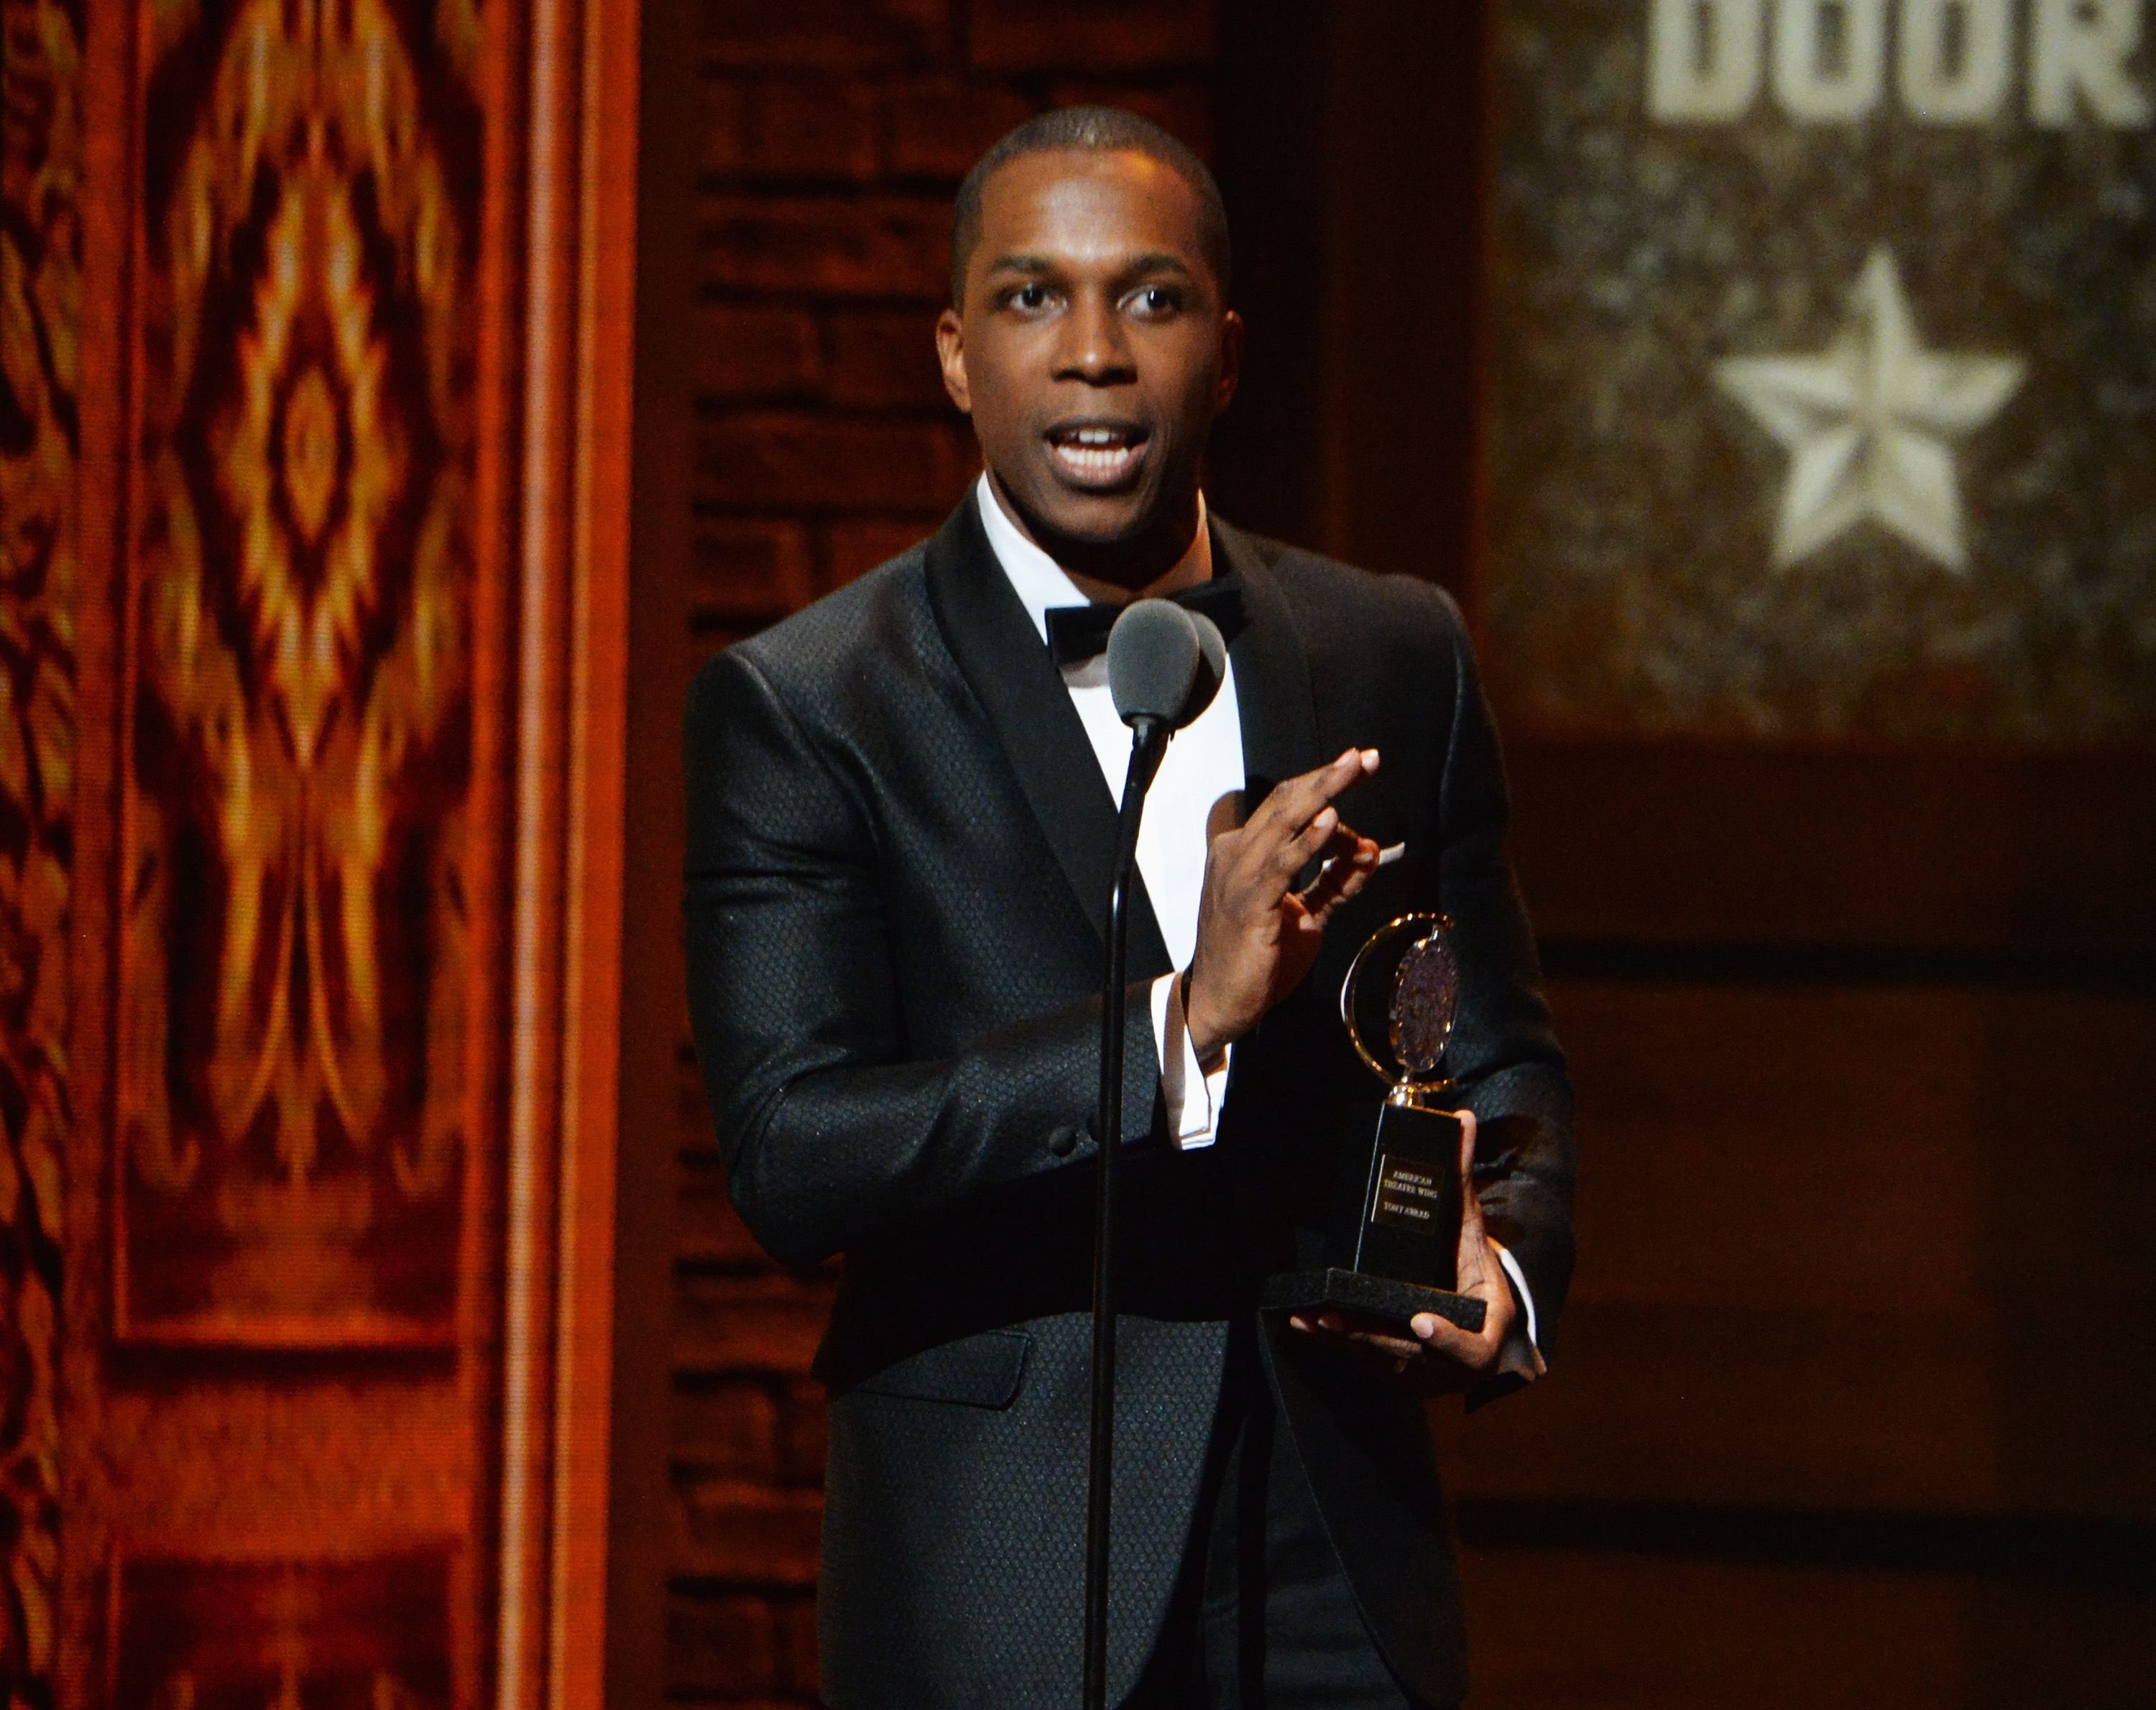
[901, 826]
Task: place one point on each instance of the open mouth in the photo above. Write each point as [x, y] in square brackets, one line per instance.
[1094, 454]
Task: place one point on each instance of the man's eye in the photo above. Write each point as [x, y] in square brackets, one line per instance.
[1029, 297]
[1153, 300]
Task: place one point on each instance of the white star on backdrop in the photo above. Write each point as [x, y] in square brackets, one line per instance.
[1868, 422]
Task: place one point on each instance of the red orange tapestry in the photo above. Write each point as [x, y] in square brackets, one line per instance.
[296, 992]
[366, 1634]
[40, 287]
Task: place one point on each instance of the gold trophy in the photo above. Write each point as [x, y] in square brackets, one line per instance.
[1397, 1255]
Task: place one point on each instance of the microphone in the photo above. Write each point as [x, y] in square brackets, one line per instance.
[1165, 666]
[1211, 668]
[1165, 663]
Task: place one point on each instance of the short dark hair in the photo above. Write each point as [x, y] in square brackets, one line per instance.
[1092, 130]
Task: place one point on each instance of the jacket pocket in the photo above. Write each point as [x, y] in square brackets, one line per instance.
[981, 1371]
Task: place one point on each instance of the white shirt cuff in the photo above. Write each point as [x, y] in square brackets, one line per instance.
[1192, 1094]
[1522, 1353]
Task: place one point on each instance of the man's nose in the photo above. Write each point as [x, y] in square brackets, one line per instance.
[1093, 347]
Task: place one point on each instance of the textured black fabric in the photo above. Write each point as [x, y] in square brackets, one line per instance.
[1263, 1617]
[1281, 1627]
[900, 845]
[980, 1371]
[954, 1538]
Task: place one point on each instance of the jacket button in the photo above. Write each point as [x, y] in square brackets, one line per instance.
[1063, 1141]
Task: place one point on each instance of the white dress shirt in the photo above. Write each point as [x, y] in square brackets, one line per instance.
[1204, 762]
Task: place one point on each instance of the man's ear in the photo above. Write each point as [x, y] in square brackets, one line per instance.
[950, 352]
[1231, 360]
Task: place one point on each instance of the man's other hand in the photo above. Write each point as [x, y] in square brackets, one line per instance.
[1257, 936]
[1442, 1358]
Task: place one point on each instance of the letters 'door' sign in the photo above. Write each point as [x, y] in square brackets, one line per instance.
[1825, 369]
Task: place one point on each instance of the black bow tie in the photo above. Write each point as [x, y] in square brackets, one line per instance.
[1076, 633]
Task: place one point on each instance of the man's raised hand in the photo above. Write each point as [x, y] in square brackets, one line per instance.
[1257, 936]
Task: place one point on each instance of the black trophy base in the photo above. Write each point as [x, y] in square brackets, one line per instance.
[1388, 1302]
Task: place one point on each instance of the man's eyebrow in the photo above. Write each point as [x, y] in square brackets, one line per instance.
[1152, 261]
[1157, 261]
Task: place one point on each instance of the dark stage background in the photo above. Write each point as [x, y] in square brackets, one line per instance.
[402, 399]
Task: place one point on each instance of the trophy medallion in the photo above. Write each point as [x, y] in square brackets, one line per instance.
[1395, 1242]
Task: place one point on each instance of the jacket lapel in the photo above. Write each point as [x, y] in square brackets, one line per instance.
[1274, 706]
[1001, 656]
[1273, 701]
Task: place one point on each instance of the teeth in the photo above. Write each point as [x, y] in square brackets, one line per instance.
[1099, 436]
[1095, 459]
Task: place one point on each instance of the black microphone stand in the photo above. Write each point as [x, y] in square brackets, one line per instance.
[1149, 744]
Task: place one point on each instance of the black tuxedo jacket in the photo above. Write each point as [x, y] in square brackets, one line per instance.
[899, 852]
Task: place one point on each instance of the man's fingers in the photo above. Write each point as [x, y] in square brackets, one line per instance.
[1477, 1265]
[1397, 1348]
[1353, 860]
[1470, 1206]
[1295, 803]
[1295, 823]
[1334, 1327]
[1442, 1336]
[1322, 838]
[1437, 1356]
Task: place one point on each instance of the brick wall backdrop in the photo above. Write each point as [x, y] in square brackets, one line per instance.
[834, 135]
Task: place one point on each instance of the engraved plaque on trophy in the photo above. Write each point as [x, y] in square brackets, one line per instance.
[1393, 1248]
